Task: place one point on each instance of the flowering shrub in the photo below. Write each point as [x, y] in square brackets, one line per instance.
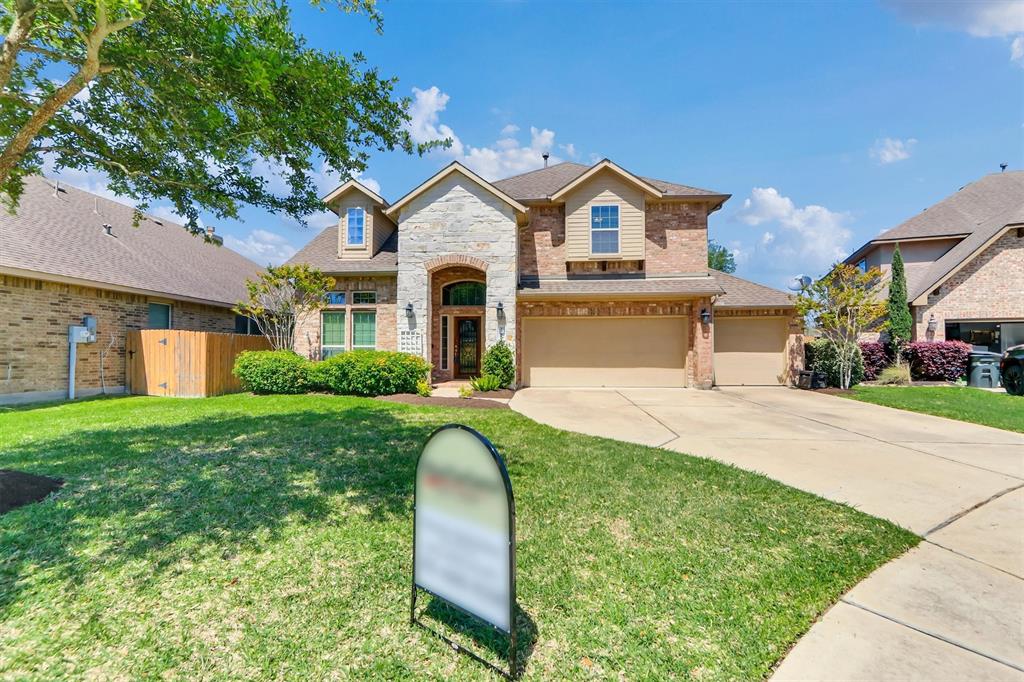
[937, 360]
[876, 358]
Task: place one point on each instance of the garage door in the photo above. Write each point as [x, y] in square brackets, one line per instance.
[619, 351]
[750, 351]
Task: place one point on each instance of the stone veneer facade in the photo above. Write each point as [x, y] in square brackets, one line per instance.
[990, 287]
[34, 334]
[455, 222]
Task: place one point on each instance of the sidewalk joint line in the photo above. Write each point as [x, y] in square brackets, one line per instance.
[934, 635]
[663, 424]
[964, 512]
[968, 556]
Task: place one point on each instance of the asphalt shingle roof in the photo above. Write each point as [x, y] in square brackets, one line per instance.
[585, 286]
[61, 233]
[539, 184]
[322, 253]
[742, 293]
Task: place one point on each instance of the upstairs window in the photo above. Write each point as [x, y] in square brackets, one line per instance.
[604, 229]
[464, 293]
[355, 221]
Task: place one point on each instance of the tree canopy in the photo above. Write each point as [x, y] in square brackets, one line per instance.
[279, 296]
[900, 320]
[188, 101]
[720, 258]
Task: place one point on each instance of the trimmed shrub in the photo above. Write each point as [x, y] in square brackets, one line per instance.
[499, 362]
[272, 371]
[937, 360]
[371, 373]
[876, 358]
[897, 375]
[822, 356]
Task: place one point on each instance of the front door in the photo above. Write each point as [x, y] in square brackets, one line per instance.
[467, 346]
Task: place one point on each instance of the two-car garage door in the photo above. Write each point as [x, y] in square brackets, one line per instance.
[604, 351]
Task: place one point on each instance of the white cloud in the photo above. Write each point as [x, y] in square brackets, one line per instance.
[890, 150]
[980, 18]
[506, 156]
[808, 238]
[262, 246]
[569, 149]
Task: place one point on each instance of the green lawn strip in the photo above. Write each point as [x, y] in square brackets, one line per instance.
[248, 537]
[988, 408]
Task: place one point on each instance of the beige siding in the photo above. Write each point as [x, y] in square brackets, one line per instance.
[750, 351]
[605, 188]
[382, 229]
[633, 351]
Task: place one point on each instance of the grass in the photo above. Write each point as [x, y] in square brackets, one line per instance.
[1000, 410]
[248, 537]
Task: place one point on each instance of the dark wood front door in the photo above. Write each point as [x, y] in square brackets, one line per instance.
[467, 346]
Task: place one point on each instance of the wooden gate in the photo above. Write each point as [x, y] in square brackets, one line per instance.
[185, 364]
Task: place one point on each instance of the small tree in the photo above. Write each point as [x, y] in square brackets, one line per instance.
[843, 305]
[720, 258]
[900, 321]
[280, 296]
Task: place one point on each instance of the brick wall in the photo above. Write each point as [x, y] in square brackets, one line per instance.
[677, 237]
[990, 287]
[698, 359]
[307, 328]
[542, 243]
[34, 332]
[438, 280]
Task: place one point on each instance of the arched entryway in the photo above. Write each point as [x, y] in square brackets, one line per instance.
[458, 296]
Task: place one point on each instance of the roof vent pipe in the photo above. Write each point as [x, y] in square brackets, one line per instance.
[1002, 167]
[107, 229]
[545, 156]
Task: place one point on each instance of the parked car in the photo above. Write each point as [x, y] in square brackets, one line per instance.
[1012, 369]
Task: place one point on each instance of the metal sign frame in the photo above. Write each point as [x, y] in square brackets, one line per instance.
[511, 673]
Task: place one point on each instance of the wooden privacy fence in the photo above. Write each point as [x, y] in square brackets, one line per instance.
[185, 364]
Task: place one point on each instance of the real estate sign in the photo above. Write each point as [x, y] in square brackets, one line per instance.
[464, 527]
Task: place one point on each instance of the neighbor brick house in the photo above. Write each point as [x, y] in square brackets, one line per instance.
[964, 262]
[67, 253]
[594, 275]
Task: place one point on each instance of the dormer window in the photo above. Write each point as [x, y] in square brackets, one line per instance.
[355, 222]
[604, 229]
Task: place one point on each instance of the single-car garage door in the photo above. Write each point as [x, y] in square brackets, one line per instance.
[610, 351]
[750, 351]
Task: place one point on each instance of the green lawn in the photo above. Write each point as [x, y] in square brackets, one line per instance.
[249, 537]
[1000, 410]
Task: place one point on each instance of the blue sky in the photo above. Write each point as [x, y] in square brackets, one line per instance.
[826, 122]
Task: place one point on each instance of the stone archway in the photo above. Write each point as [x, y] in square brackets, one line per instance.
[455, 321]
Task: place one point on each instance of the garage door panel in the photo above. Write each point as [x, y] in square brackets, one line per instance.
[750, 351]
[634, 351]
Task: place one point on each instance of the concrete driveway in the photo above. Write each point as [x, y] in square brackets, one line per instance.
[952, 608]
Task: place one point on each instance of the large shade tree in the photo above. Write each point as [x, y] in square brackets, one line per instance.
[720, 258]
[188, 101]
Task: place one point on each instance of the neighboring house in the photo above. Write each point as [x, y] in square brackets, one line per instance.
[964, 261]
[68, 253]
[594, 275]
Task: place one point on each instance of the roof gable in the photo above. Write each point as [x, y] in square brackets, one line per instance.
[354, 186]
[453, 168]
[602, 166]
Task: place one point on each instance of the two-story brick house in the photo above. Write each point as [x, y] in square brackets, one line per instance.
[964, 262]
[594, 275]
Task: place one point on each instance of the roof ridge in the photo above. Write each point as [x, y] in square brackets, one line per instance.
[544, 168]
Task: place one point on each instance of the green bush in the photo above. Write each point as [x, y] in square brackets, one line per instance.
[423, 388]
[370, 373]
[823, 356]
[486, 382]
[272, 371]
[499, 362]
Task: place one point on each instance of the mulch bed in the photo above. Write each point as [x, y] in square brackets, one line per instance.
[18, 488]
[500, 393]
[413, 399]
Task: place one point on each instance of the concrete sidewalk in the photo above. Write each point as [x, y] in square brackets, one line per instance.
[953, 608]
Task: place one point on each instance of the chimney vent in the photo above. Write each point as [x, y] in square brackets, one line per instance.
[545, 155]
[210, 230]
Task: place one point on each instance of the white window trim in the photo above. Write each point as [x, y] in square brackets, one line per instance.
[170, 312]
[352, 334]
[356, 293]
[343, 347]
[362, 243]
[617, 230]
